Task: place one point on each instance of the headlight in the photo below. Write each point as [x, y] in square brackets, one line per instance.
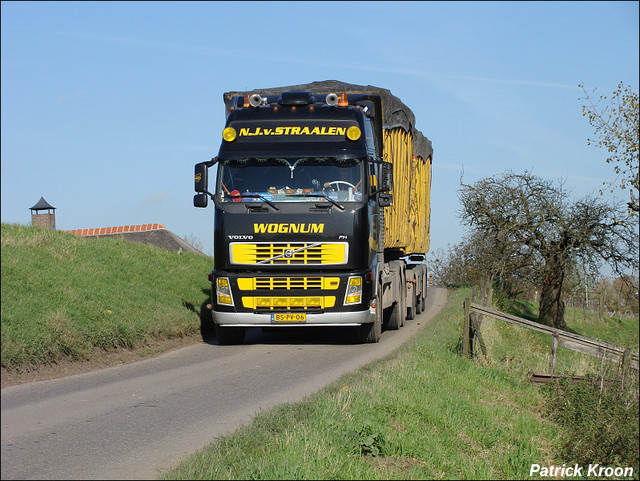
[354, 291]
[223, 291]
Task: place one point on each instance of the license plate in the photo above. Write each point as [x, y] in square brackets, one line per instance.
[289, 317]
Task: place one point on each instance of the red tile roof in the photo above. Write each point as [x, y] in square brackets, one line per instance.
[115, 230]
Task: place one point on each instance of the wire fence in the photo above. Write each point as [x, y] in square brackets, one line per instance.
[603, 302]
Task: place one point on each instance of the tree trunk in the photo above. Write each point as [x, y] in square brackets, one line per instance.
[551, 303]
[485, 288]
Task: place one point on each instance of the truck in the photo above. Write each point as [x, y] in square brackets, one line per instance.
[321, 211]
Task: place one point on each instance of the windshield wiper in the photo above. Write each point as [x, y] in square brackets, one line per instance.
[256, 196]
[341, 207]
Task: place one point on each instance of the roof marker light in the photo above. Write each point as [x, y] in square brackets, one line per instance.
[342, 100]
[246, 100]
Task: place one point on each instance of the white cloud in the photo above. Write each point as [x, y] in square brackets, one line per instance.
[66, 98]
[157, 197]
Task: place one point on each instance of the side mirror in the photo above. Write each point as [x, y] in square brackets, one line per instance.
[200, 200]
[384, 199]
[386, 184]
[201, 177]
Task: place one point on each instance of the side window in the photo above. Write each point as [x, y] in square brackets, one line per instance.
[369, 140]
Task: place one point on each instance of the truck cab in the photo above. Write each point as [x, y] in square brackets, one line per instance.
[298, 213]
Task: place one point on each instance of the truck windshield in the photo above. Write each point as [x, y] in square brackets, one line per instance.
[285, 179]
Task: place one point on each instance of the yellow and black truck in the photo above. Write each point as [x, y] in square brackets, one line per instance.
[322, 209]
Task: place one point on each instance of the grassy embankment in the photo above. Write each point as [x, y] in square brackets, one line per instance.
[64, 296]
[422, 413]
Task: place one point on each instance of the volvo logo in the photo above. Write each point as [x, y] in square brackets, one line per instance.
[289, 253]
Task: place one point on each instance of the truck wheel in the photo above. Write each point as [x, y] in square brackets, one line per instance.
[411, 310]
[207, 327]
[371, 332]
[396, 319]
[229, 335]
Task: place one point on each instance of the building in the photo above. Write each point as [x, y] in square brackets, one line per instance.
[43, 219]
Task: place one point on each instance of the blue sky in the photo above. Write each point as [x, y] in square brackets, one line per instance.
[107, 106]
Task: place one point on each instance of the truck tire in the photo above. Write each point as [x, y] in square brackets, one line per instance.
[207, 327]
[371, 332]
[411, 310]
[423, 303]
[229, 335]
[398, 310]
[396, 319]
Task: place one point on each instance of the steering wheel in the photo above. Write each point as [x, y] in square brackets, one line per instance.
[338, 182]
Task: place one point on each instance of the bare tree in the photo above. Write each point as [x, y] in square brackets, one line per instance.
[533, 221]
[620, 296]
[616, 127]
[194, 241]
[485, 260]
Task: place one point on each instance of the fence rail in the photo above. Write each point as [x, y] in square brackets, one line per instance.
[575, 342]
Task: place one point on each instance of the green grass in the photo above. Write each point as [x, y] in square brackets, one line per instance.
[64, 296]
[422, 413]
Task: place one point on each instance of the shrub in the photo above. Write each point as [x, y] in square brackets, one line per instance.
[600, 421]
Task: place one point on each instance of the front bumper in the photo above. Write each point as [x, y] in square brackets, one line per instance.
[325, 319]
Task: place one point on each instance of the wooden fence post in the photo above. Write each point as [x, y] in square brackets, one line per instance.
[624, 364]
[466, 339]
[476, 321]
[554, 352]
[600, 306]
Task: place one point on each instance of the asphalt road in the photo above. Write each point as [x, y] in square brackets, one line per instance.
[136, 420]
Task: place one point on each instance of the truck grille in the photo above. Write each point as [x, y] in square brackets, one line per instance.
[291, 253]
[275, 283]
